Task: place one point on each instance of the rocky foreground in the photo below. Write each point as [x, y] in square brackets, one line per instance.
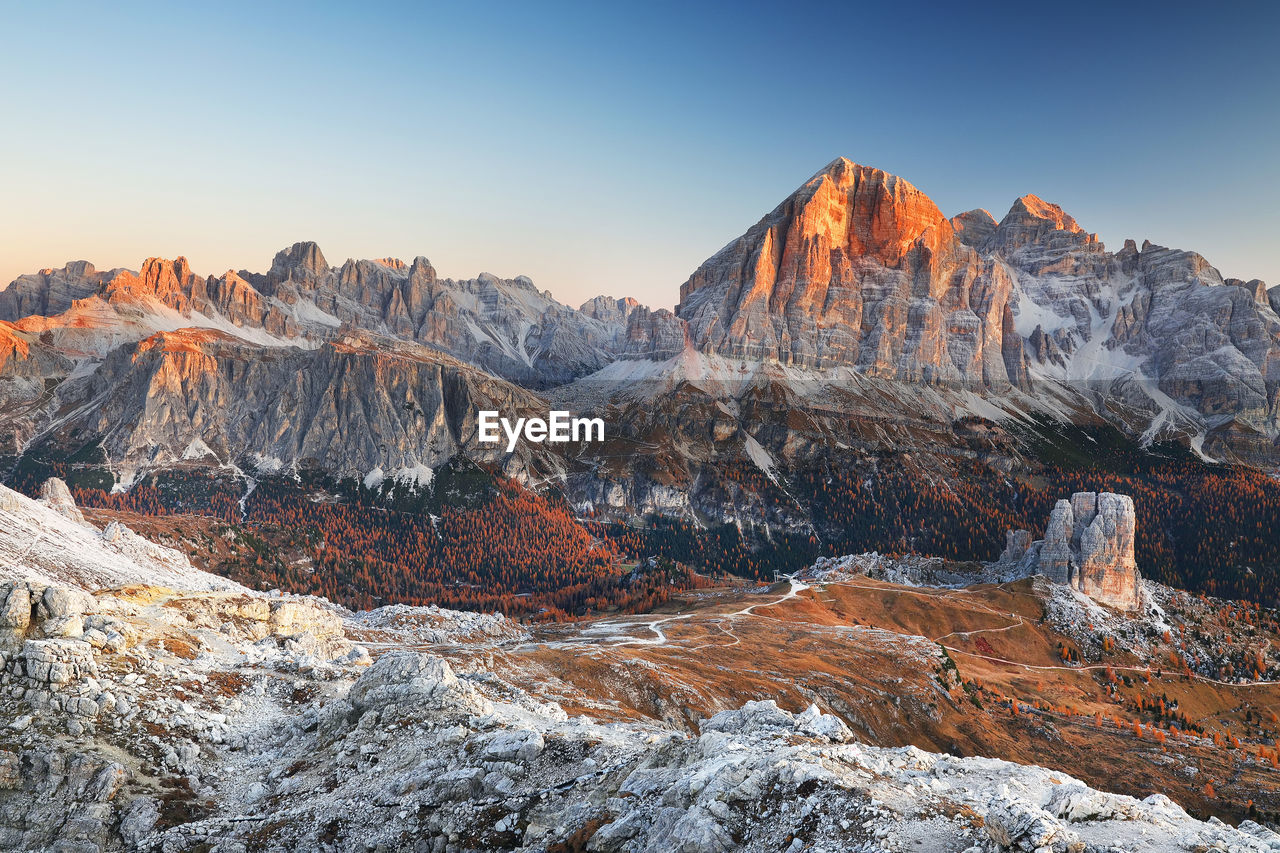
[201, 716]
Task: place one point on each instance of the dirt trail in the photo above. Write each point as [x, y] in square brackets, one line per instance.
[660, 638]
[1016, 622]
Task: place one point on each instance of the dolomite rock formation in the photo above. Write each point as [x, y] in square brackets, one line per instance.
[55, 495]
[354, 405]
[27, 368]
[54, 662]
[860, 268]
[1088, 545]
[50, 291]
[857, 280]
[506, 326]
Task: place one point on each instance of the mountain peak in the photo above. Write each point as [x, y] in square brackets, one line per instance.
[167, 280]
[302, 260]
[840, 166]
[803, 265]
[421, 270]
[78, 269]
[973, 227]
[1033, 207]
[154, 268]
[1032, 221]
[844, 172]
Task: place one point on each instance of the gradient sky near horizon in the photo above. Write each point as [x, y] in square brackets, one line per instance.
[612, 147]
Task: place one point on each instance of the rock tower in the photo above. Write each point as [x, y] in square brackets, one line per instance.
[1088, 545]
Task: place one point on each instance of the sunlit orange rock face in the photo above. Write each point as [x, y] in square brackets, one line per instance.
[24, 357]
[860, 211]
[174, 285]
[860, 268]
[168, 281]
[27, 369]
[12, 345]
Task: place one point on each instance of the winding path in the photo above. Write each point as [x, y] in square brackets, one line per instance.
[1018, 622]
[660, 637]
[795, 587]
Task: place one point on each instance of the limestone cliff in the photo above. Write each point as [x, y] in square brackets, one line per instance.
[355, 405]
[858, 267]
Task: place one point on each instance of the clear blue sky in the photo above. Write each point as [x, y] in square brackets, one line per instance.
[610, 147]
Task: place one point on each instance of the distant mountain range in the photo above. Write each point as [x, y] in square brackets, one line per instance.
[855, 320]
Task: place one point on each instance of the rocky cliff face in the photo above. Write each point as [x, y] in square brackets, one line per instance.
[506, 326]
[1088, 545]
[858, 268]
[28, 370]
[49, 291]
[354, 405]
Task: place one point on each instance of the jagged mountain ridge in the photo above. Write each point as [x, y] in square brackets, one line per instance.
[353, 405]
[298, 365]
[505, 326]
[859, 268]
[856, 293]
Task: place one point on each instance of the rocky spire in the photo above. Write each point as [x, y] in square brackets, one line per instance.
[170, 281]
[1088, 545]
[55, 495]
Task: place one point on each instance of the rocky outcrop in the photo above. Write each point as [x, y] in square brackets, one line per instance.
[1017, 542]
[420, 681]
[49, 617]
[52, 663]
[55, 495]
[1088, 544]
[22, 356]
[614, 313]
